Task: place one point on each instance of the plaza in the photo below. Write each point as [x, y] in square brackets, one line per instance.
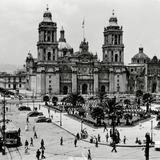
[51, 133]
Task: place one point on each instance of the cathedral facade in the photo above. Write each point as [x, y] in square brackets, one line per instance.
[59, 70]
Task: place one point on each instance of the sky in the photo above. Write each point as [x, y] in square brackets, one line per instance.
[19, 21]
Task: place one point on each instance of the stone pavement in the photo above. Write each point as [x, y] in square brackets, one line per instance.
[131, 133]
[68, 151]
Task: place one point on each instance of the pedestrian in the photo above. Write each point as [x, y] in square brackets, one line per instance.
[27, 120]
[61, 141]
[114, 147]
[38, 154]
[26, 146]
[42, 144]
[99, 138]
[78, 136]
[124, 140]
[39, 106]
[107, 136]
[52, 116]
[75, 142]
[34, 128]
[19, 131]
[105, 126]
[35, 135]
[96, 142]
[89, 155]
[31, 143]
[42, 154]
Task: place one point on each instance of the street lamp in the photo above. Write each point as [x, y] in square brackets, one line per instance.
[113, 116]
[151, 131]
[3, 127]
[147, 146]
[81, 124]
[61, 116]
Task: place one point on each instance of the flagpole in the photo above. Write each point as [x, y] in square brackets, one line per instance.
[83, 27]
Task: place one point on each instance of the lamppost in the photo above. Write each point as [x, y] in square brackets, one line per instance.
[113, 116]
[61, 116]
[147, 146]
[151, 131]
[81, 124]
[4, 127]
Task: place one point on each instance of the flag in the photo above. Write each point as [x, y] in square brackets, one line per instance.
[83, 24]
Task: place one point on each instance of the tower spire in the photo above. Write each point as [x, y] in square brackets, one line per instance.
[47, 8]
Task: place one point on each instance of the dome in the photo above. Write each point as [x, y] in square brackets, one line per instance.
[154, 59]
[140, 55]
[64, 45]
[62, 41]
[113, 20]
[47, 16]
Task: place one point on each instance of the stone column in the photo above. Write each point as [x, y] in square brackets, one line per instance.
[95, 80]
[111, 81]
[146, 79]
[43, 82]
[74, 82]
[56, 81]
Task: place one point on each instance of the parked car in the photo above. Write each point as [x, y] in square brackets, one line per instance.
[157, 145]
[34, 114]
[43, 119]
[24, 108]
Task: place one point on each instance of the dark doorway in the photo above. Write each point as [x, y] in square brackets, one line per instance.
[65, 90]
[84, 89]
[103, 89]
[14, 86]
[154, 86]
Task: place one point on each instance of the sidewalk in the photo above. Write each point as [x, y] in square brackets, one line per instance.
[74, 127]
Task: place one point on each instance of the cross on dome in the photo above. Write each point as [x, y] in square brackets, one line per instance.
[47, 8]
[113, 12]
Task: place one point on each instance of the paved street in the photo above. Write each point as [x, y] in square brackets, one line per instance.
[51, 134]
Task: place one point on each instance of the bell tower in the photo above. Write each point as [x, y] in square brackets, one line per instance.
[113, 47]
[47, 44]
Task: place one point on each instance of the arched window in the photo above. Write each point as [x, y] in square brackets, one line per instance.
[116, 57]
[65, 90]
[53, 54]
[112, 56]
[49, 56]
[48, 37]
[120, 56]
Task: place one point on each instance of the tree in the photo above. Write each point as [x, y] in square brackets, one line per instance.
[101, 96]
[98, 114]
[128, 117]
[147, 98]
[127, 102]
[75, 99]
[46, 99]
[139, 94]
[54, 100]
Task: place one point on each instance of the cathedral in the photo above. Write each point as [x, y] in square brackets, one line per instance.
[58, 69]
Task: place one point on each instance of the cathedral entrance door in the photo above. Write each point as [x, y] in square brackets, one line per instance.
[84, 88]
[103, 89]
[154, 86]
[65, 90]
